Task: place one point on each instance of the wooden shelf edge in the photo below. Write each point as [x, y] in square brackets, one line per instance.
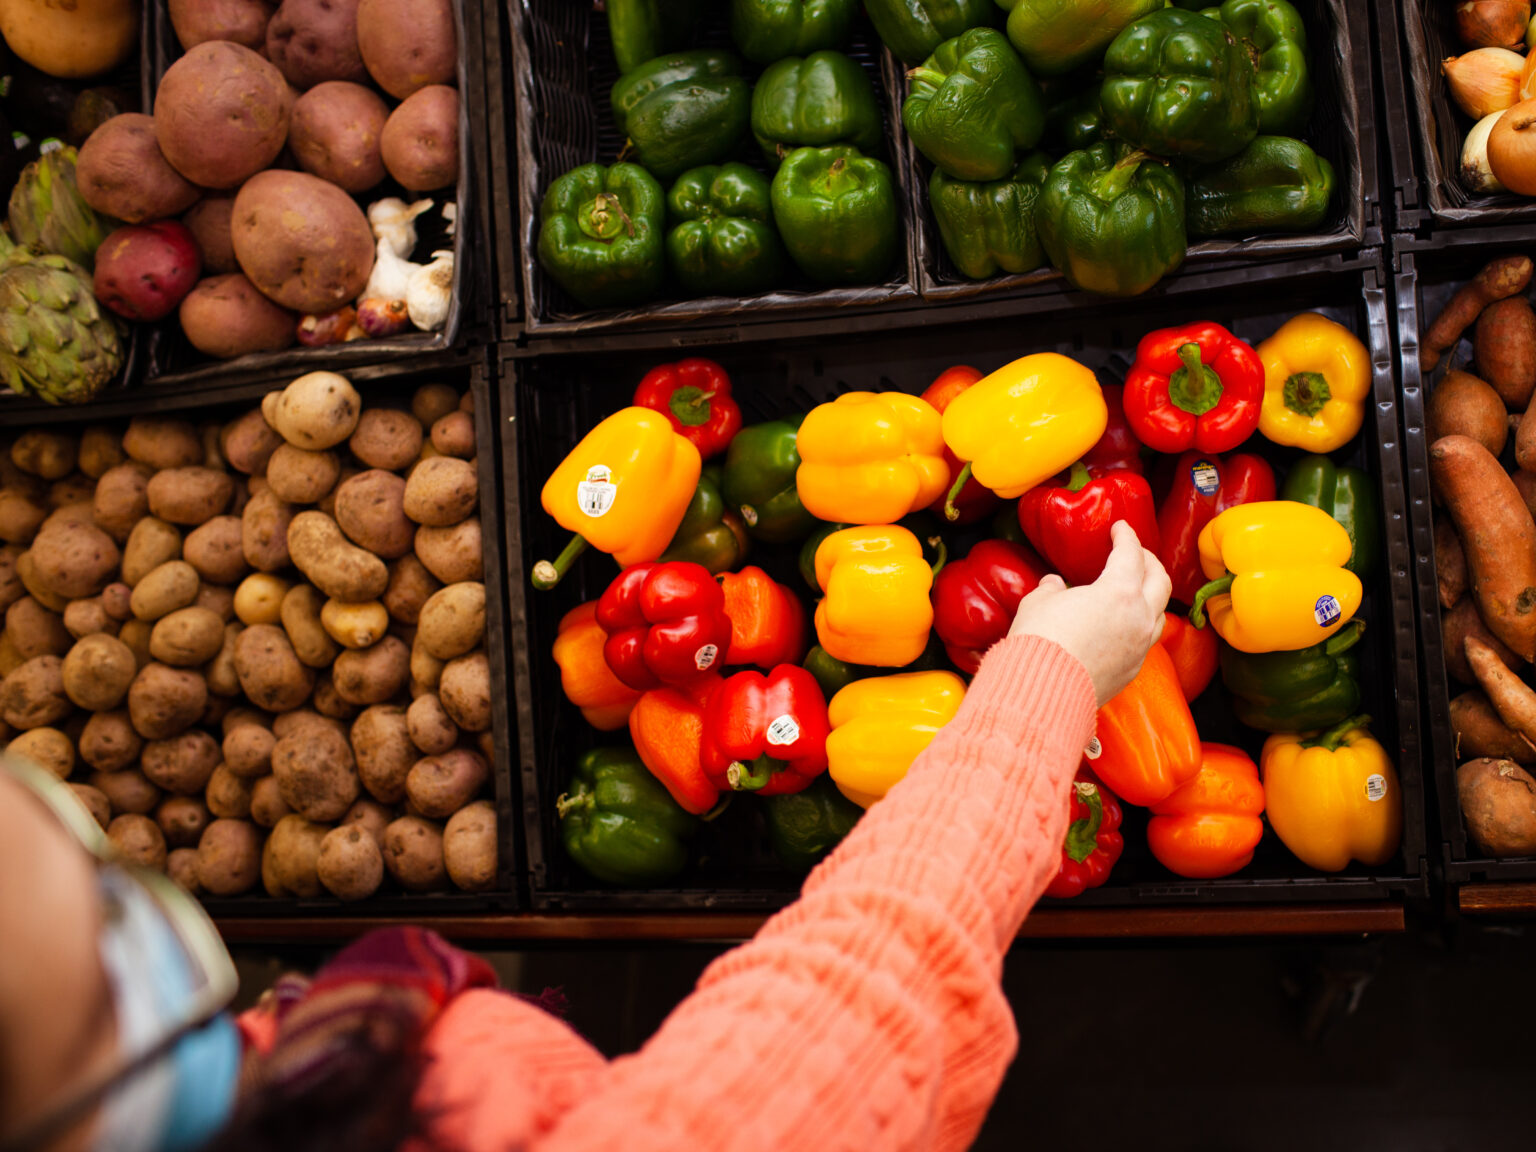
[1509, 898]
[1264, 920]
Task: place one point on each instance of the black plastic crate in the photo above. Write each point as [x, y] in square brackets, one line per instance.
[1342, 131]
[562, 70]
[1425, 168]
[168, 358]
[382, 382]
[549, 402]
[1430, 271]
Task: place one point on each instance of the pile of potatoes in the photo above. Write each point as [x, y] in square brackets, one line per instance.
[257, 649]
[262, 134]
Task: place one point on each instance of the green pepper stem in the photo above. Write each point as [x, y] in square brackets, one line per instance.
[951, 511]
[927, 75]
[839, 180]
[744, 777]
[1078, 478]
[1345, 638]
[690, 405]
[1194, 388]
[605, 218]
[1305, 393]
[1083, 835]
[1112, 184]
[1214, 588]
[720, 806]
[566, 803]
[547, 574]
[937, 543]
[1333, 737]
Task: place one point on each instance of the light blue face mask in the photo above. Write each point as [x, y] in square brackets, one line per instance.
[180, 1101]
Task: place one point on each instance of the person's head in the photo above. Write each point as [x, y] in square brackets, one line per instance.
[112, 988]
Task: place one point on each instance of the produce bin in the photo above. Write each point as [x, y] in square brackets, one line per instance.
[1342, 130]
[1425, 137]
[550, 401]
[169, 359]
[379, 383]
[1430, 271]
[561, 72]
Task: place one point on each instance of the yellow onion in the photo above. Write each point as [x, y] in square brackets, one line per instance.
[1492, 23]
[1512, 148]
[1484, 80]
[1476, 175]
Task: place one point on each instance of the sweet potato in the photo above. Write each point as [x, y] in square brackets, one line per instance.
[1456, 624]
[1450, 563]
[1498, 536]
[1480, 732]
[1497, 280]
[1510, 696]
[1498, 803]
[1506, 350]
[1463, 405]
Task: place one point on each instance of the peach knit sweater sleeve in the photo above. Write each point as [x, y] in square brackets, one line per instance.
[867, 1015]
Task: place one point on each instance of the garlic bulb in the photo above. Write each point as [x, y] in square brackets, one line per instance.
[391, 276]
[393, 219]
[1485, 80]
[430, 292]
[1476, 175]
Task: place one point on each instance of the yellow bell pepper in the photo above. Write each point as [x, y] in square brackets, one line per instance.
[876, 609]
[870, 458]
[1277, 577]
[1317, 377]
[1334, 797]
[879, 726]
[623, 490]
[1024, 423]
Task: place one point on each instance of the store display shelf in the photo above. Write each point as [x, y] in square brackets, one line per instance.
[1498, 899]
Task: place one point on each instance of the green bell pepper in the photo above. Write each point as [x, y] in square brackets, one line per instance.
[836, 212]
[1273, 35]
[972, 108]
[1178, 84]
[1006, 526]
[1112, 219]
[723, 241]
[807, 563]
[1075, 122]
[825, 98]
[1348, 495]
[769, 30]
[642, 30]
[619, 824]
[710, 534]
[914, 28]
[804, 826]
[683, 110]
[600, 234]
[1056, 36]
[833, 675]
[1276, 184]
[990, 228]
[759, 481]
[1298, 691]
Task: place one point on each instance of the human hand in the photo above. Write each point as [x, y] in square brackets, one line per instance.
[1108, 625]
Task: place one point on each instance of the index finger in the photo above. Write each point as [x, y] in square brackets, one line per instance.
[1127, 559]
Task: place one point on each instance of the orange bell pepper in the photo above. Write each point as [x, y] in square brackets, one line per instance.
[1146, 746]
[767, 619]
[1210, 827]
[667, 726]
[588, 682]
[1194, 653]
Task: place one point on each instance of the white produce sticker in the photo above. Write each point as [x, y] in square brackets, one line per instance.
[1203, 473]
[1094, 749]
[705, 657]
[783, 730]
[749, 514]
[1326, 610]
[1375, 787]
[595, 495]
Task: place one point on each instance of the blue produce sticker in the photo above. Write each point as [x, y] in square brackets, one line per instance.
[1326, 610]
[1203, 474]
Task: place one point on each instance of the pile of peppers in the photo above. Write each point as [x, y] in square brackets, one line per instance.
[800, 601]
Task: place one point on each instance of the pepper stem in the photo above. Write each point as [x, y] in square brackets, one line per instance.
[720, 806]
[1345, 638]
[1194, 388]
[839, 180]
[605, 218]
[1083, 835]
[1306, 392]
[937, 543]
[1077, 478]
[951, 511]
[1333, 737]
[744, 777]
[690, 405]
[566, 803]
[1112, 184]
[1214, 588]
[927, 75]
[547, 574]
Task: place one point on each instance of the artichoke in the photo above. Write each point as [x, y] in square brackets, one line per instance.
[48, 213]
[55, 341]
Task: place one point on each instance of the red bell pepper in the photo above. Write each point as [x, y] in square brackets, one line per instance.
[1145, 744]
[1117, 450]
[666, 624]
[1203, 487]
[975, 501]
[1193, 651]
[765, 734]
[695, 395]
[1196, 386]
[975, 599]
[1093, 842]
[1069, 525]
[1210, 826]
[767, 619]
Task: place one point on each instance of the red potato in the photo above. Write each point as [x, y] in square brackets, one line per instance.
[122, 173]
[334, 134]
[312, 41]
[403, 64]
[302, 241]
[144, 272]
[421, 139]
[221, 114]
[208, 221]
[242, 21]
[225, 317]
